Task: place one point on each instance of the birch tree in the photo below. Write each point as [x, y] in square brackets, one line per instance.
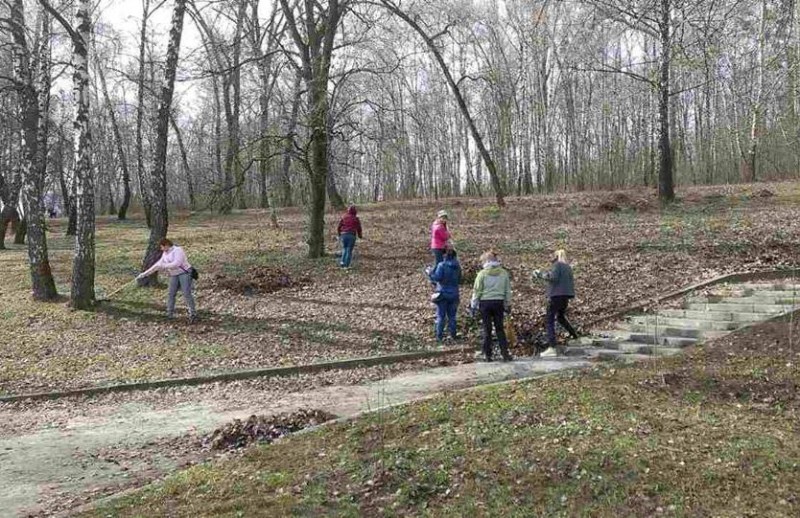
[83, 264]
[32, 86]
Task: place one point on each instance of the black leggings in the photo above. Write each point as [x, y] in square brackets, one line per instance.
[492, 315]
[556, 309]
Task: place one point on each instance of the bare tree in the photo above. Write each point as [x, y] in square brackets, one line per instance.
[313, 31]
[34, 95]
[83, 265]
[462, 105]
[120, 145]
[159, 214]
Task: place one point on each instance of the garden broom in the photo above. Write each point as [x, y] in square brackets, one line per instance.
[107, 297]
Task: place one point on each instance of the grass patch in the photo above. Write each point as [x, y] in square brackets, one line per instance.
[670, 438]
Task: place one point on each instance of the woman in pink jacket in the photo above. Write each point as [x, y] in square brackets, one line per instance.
[175, 265]
[440, 237]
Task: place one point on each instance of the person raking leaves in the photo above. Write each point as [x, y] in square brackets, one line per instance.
[560, 288]
[174, 263]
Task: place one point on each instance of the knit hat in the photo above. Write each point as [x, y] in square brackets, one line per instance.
[442, 214]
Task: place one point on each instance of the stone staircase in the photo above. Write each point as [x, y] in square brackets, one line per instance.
[691, 321]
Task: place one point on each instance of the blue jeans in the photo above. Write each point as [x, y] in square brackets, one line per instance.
[348, 242]
[184, 281]
[438, 255]
[446, 309]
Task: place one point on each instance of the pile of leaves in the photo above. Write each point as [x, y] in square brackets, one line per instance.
[263, 429]
[469, 270]
[620, 201]
[531, 335]
[258, 280]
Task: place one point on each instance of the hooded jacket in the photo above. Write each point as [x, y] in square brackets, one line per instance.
[447, 276]
[492, 283]
[350, 224]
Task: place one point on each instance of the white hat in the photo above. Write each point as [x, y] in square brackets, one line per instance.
[442, 214]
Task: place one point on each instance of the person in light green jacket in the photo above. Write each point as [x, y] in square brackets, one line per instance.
[491, 295]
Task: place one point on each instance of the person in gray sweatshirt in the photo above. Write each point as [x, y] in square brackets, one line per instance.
[560, 288]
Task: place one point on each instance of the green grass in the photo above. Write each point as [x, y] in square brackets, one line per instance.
[606, 442]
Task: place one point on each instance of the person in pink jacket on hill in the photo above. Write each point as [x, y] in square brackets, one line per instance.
[440, 237]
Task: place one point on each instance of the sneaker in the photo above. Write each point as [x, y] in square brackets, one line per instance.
[487, 359]
[508, 358]
[193, 319]
[549, 352]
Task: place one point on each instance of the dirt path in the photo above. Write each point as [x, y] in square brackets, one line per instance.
[58, 456]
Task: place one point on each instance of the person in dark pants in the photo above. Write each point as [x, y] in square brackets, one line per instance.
[447, 276]
[349, 227]
[491, 295]
[560, 288]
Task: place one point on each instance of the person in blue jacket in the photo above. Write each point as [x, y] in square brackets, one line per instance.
[447, 276]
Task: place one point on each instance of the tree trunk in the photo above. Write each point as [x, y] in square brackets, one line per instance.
[160, 218]
[318, 167]
[749, 167]
[123, 159]
[140, 170]
[330, 183]
[265, 89]
[83, 263]
[34, 99]
[20, 227]
[666, 187]
[236, 85]
[6, 219]
[286, 179]
[316, 50]
[185, 161]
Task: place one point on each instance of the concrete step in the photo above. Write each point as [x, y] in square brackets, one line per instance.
[612, 339]
[661, 339]
[751, 300]
[650, 322]
[721, 316]
[659, 351]
[776, 294]
[664, 329]
[769, 286]
[767, 309]
[625, 347]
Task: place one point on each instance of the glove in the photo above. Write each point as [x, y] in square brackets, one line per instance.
[507, 310]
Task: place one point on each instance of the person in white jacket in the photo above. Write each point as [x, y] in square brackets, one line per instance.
[175, 265]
